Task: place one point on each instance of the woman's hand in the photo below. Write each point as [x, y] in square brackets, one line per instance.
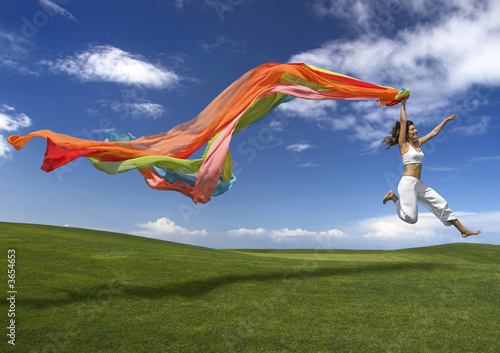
[436, 130]
[451, 117]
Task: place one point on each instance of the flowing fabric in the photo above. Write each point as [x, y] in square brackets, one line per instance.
[163, 159]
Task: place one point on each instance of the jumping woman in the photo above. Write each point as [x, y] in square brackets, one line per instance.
[411, 189]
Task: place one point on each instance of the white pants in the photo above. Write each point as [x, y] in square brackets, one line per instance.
[412, 190]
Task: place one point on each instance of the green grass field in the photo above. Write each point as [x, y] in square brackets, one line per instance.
[87, 291]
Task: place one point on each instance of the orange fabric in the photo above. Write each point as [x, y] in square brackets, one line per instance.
[249, 99]
[184, 139]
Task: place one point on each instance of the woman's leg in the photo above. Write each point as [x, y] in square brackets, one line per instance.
[390, 196]
[439, 207]
[435, 203]
[465, 232]
[407, 204]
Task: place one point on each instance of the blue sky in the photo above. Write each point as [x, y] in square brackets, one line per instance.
[311, 175]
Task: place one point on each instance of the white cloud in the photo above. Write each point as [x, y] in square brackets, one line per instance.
[278, 238]
[389, 232]
[54, 9]
[285, 232]
[10, 121]
[110, 64]
[16, 66]
[309, 165]
[277, 126]
[442, 169]
[139, 110]
[246, 231]
[13, 52]
[5, 149]
[180, 4]
[480, 126]
[485, 159]
[10, 42]
[357, 10]
[280, 234]
[233, 45]
[368, 16]
[311, 109]
[298, 232]
[333, 232]
[391, 228]
[385, 232]
[164, 228]
[220, 7]
[299, 147]
[450, 51]
[325, 113]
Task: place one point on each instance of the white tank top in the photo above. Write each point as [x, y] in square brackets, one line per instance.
[412, 156]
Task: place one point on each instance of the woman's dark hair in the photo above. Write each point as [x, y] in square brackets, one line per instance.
[393, 140]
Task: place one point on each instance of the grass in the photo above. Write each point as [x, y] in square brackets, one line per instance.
[88, 291]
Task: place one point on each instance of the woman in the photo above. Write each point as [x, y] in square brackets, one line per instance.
[411, 189]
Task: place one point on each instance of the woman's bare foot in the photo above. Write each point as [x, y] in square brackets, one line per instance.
[390, 196]
[470, 232]
[464, 231]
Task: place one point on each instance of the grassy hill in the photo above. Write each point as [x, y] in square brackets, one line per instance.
[88, 291]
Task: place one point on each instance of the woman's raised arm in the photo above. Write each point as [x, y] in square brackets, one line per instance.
[436, 130]
[402, 128]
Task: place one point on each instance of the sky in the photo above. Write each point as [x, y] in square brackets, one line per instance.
[312, 174]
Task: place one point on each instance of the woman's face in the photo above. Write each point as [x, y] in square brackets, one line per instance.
[412, 132]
